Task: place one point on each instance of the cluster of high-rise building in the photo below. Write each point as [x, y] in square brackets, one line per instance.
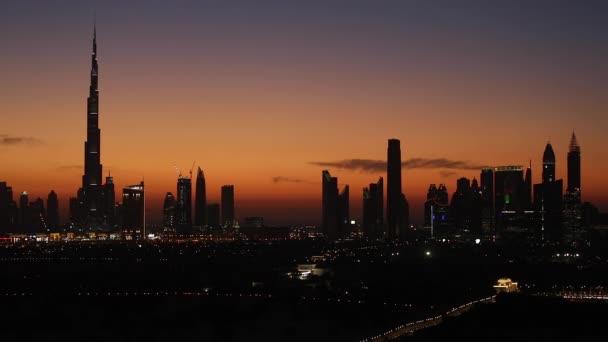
[27, 216]
[503, 203]
[336, 221]
[95, 209]
[177, 212]
[506, 203]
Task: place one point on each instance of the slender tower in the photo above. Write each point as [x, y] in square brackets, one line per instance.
[572, 198]
[91, 180]
[527, 189]
[393, 189]
[329, 205]
[200, 200]
[574, 165]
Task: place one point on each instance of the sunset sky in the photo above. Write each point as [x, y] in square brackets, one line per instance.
[256, 92]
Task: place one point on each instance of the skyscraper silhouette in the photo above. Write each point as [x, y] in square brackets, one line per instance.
[475, 213]
[487, 200]
[344, 212]
[200, 200]
[508, 199]
[440, 212]
[397, 207]
[572, 197]
[169, 213]
[436, 210]
[8, 209]
[574, 164]
[37, 216]
[465, 209]
[52, 212]
[133, 209]
[183, 206]
[548, 164]
[373, 209]
[91, 180]
[24, 212]
[228, 219]
[108, 203]
[548, 199]
[460, 206]
[527, 189]
[431, 197]
[329, 214]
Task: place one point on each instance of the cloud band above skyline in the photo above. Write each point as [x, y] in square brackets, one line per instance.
[374, 165]
[9, 140]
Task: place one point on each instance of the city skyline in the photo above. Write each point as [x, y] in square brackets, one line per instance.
[321, 170]
[264, 163]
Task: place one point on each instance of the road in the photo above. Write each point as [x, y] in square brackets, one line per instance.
[411, 327]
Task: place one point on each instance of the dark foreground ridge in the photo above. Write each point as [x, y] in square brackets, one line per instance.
[294, 290]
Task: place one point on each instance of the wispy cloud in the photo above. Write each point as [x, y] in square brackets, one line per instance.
[367, 165]
[440, 163]
[9, 140]
[372, 165]
[282, 179]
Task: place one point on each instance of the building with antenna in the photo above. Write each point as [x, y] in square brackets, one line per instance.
[90, 194]
[572, 197]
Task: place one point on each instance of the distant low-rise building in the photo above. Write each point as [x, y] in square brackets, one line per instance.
[505, 285]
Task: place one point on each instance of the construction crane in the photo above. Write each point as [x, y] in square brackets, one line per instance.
[179, 173]
[192, 168]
